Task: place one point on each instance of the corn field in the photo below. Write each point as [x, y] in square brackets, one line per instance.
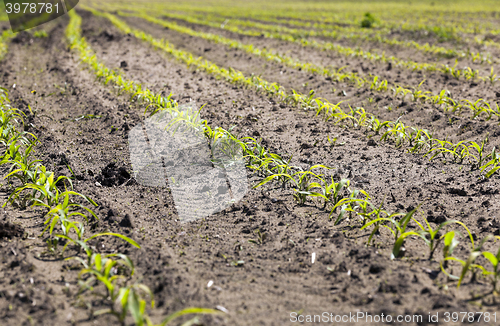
[252, 163]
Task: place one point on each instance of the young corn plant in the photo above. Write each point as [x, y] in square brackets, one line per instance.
[494, 274]
[17, 148]
[481, 157]
[467, 265]
[64, 211]
[492, 78]
[121, 299]
[350, 205]
[450, 242]
[80, 241]
[469, 73]
[113, 271]
[493, 164]
[400, 90]
[378, 86]
[418, 94]
[333, 191]
[44, 191]
[431, 238]
[419, 139]
[396, 131]
[304, 186]
[439, 148]
[302, 182]
[398, 229]
[24, 170]
[375, 125]
[94, 259]
[364, 209]
[475, 107]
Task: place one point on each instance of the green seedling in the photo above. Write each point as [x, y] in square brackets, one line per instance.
[419, 139]
[494, 275]
[480, 158]
[418, 94]
[129, 298]
[96, 260]
[40, 33]
[467, 265]
[52, 246]
[302, 182]
[398, 230]
[333, 191]
[400, 90]
[376, 125]
[492, 78]
[45, 192]
[348, 204]
[23, 168]
[493, 164]
[64, 211]
[261, 237]
[431, 238]
[396, 131]
[450, 243]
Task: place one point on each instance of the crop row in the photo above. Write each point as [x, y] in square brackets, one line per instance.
[294, 36]
[396, 132]
[442, 99]
[354, 33]
[33, 185]
[452, 32]
[300, 36]
[456, 25]
[443, 29]
[429, 22]
[129, 297]
[437, 24]
[308, 184]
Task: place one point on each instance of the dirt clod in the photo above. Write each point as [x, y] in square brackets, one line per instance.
[111, 175]
[126, 222]
[9, 230]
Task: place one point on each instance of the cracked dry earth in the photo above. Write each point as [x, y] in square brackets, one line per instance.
[177, 260]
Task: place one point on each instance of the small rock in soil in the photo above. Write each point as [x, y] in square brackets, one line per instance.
[375, 268]
[455, 191]
[111, 213]
[107, 35]
[126, 222]
[436, 117]
[436, 219]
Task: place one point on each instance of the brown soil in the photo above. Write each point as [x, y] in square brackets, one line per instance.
[177, 260]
